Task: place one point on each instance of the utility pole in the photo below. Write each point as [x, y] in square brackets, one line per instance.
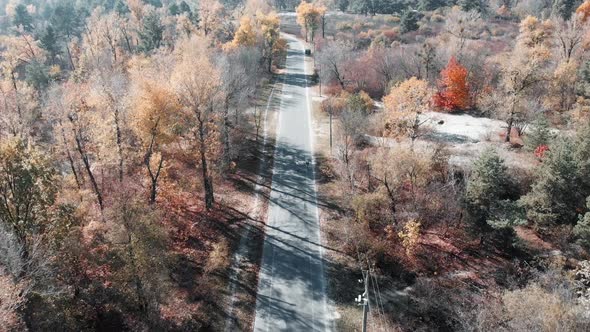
[330, 131]
[364, 299]
[320, 78]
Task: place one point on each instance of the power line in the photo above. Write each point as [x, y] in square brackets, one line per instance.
[379, 301]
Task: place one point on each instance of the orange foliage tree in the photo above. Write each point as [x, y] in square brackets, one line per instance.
[453, 91]
[583, 12]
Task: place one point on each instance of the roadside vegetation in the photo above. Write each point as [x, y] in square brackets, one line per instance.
[127, 129]
[453, 160]
[457, 172]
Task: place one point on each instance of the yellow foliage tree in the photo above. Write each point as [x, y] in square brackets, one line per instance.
[246, 34]
[410, 236]
[197, 85]
[535, 33]
[210, 15]
[270, 30]
[155, 114]
[309, 17]
[404, 105]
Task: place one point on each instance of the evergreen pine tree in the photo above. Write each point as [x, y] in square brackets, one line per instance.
[555, 196]
[49, 42]
[151, 33]
[22, 18]
[486, 191]
[184, 8]
[342, 5]
[173, 9]
[583, 82]
[582, 228]
[477, 5]
[121, 7]
[37, 75]
[427, 5]
[361, 6]
[582, 156]
[563, 8]
[409, 21]
[540, 134]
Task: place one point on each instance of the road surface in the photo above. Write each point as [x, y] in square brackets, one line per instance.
[291, 289]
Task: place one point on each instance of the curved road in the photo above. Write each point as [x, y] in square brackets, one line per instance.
[291, 289]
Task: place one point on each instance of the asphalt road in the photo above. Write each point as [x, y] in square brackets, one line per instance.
[291, 290]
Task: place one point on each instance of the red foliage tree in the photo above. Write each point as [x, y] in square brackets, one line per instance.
[540, 151]
[453, 93]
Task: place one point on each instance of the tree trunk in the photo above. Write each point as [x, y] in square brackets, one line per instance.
[70, 159]
[139, 289]
[510, 124]
[86, 162]
[154, 176]
[207, 181]
[226, 140]
[119, 144]
[154, 179]
[392, 200]
[70, 54]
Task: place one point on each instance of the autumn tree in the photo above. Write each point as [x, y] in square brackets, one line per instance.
[335, 59]
[309, 17]
[73, 113]
[197, 87]
[19, 107]
[210, 15]
[561, 87]
[569, 37]
[583, 11]
[19, 102]
[400, 172]
[137, 242]
[108, 89]
[463, 25]
[410, 236]
[524, 69]
[12, 300]
[106, 39]
[270, 30]
[155, 113]
[353, 122]
[27, 190]
[238, 73]
[334, 106]
[453, 91]
[405, 105]
[246, 33]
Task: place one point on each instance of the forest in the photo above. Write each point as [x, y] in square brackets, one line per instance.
[452, 161]
[122, 126]
[454, 150]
